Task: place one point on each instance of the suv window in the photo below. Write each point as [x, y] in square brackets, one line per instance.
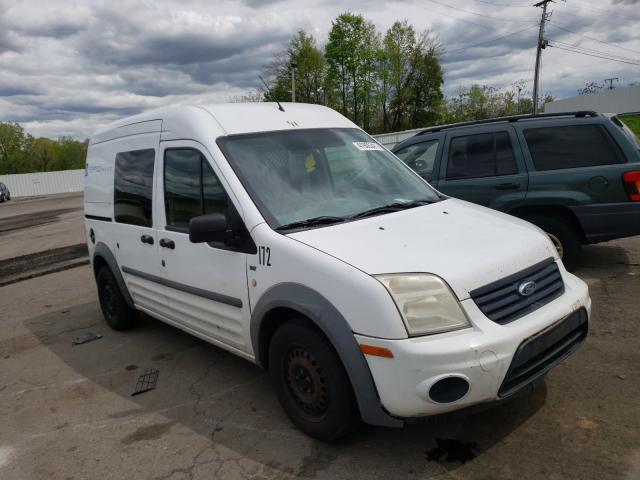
[481, 155]
[191, 188]
[133, 187]
[571, 146]
[420, 156]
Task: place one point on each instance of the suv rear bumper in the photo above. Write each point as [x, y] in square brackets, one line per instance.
[608, 221]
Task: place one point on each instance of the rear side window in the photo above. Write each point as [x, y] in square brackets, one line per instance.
[190, 188]
[133, 187]
[482, 155]
[572, 146]
[420, 156]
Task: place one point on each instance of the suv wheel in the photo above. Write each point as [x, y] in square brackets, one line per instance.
[115, 310]
[2, 198]
[311, 383]
[564, 237]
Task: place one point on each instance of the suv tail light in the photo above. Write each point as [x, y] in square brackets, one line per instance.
[632, 185]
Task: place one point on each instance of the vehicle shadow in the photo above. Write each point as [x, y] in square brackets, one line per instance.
[604, 259]
[229, 401]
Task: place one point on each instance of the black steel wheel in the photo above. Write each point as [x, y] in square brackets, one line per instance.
[115, 310]
[311, 382]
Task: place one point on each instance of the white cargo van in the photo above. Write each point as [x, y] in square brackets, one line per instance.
[289, 237]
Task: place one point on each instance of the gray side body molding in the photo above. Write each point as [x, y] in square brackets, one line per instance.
[103, 251]
[329, 320]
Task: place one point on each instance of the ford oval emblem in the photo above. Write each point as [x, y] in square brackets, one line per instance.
[527, 288]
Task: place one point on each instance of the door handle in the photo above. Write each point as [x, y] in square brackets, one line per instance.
[147, 239]
[507, 186]
[166, 243]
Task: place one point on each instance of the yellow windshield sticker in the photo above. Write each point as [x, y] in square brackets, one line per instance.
[310, 163]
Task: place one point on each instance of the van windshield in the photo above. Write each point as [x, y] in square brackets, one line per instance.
[305, 178]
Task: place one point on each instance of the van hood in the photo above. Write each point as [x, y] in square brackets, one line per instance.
[467, 245]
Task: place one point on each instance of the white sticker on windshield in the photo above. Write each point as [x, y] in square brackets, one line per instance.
[367, 146]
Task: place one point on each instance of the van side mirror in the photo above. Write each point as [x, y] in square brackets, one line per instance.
[208, 228]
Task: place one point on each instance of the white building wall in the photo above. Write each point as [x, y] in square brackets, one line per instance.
[618, 100]
[44, 183]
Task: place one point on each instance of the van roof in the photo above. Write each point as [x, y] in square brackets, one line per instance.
[230, 119]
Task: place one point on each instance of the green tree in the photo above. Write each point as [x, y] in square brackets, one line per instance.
[13, 146]
[22, 153]
[309, 76]
[350, 55]
[426, 84]
[400, 52]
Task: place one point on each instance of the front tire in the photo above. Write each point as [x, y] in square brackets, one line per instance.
[311, 383]
[115, 310]
[564, 236]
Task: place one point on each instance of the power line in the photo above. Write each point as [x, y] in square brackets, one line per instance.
[594, 55]
[490, 27]
[501, 19]
[505, 5]
[469, 47]
[596, 52]
[554, 24]
[587, 6]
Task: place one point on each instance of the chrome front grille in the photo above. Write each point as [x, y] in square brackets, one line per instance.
[506, 300]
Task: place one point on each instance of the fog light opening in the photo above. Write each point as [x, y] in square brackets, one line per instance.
[448, 390]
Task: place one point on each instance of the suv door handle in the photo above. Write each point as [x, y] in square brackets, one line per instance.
[147, 239]
[507, 186]
[166, 243]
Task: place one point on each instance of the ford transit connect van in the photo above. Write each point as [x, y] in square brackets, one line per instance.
[288, 236]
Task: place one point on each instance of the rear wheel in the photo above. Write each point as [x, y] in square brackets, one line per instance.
[563, 235]
[311, 383]
[115, 310]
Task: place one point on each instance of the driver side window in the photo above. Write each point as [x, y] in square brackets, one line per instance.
[420, 157]
[191, 188]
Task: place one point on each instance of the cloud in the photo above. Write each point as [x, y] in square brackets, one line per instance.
[67, 68]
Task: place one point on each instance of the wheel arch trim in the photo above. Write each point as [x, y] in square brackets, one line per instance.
[333, 325]
[102, 251]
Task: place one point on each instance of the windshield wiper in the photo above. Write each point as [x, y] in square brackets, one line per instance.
[311, 222]
[392, 207]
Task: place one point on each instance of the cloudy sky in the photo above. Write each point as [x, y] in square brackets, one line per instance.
[68, 67]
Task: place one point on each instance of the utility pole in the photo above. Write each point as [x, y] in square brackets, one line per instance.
[542, 44]
[610, 80]
[294, 65]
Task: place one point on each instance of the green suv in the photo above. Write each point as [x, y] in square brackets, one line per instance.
[575, 175]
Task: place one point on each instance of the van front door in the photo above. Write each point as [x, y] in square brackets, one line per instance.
[206, 284]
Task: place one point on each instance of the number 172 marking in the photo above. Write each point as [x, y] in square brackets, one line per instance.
[264, 256]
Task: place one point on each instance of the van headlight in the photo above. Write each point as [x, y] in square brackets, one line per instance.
[426, 303]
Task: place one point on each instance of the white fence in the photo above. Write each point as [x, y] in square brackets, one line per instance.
[390, 139]
[44, 183]
[49, 183]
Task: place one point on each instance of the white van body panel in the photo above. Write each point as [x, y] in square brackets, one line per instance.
[360, 298]
[436, 239]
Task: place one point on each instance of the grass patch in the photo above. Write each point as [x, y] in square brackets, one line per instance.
[633, 122]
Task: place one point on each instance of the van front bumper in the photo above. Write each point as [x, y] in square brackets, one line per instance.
[495, 361]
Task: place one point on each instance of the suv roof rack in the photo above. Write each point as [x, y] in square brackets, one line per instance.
[513, 118]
